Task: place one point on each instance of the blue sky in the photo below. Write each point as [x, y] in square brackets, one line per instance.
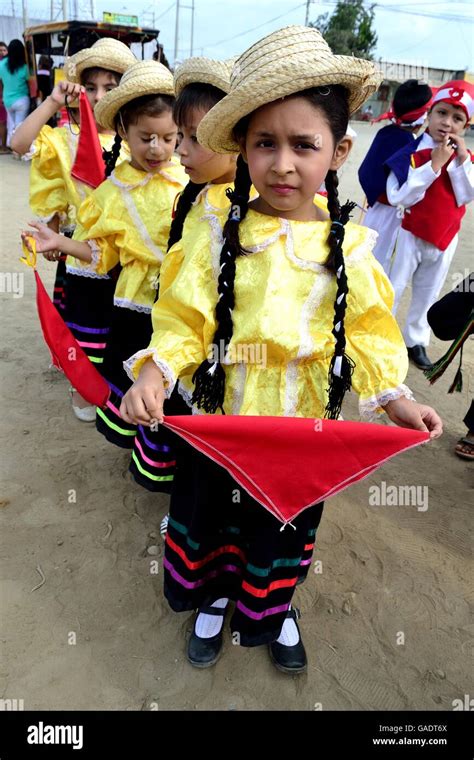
[224, 28]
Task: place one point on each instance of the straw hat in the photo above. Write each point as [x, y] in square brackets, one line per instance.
[290, 60]
[143, 78]
[203, 71]
[106, 53]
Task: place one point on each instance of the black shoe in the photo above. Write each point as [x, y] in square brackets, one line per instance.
[418, 356]
[289, 659]
[203, 653]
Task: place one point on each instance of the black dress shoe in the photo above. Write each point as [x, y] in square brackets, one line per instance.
[203, 653]
[289, 659]
[418, 356]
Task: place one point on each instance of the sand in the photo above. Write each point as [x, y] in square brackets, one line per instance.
[386, 623]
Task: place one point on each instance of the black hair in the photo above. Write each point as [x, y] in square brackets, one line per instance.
[93, 70]
[195, 96]
[411, 95]
[3, 44]
[16, 56]
[145, 105]
[209, 378]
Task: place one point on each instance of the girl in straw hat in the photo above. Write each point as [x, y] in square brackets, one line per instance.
[127, 220]
[199, 84]
[306, 294]
[55, 195]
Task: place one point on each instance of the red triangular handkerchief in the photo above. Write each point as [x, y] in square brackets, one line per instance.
[88, 165]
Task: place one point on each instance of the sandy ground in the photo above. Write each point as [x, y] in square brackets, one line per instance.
[386, 623]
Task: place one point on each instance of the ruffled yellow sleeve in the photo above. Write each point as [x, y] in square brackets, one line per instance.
[374, 340]
[104, 232]
[183, 316]
[48, 195]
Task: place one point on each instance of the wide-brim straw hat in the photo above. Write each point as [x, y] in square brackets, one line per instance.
[200, 70]
[106, 53]
[143, 78]
[285, 62]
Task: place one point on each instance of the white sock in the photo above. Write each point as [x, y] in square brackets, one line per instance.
[210, 625]
[289, 635]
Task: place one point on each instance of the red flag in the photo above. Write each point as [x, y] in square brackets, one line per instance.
[289, 463]
[66, 352]
[88, 165]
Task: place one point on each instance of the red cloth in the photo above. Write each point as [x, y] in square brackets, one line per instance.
[66, 352]
[88, 165]
[437, 217]
[289, 463]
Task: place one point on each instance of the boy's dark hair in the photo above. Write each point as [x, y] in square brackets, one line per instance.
[411, 95]
[197, 96]
[16, 56]
[145, 105]
[209, 378]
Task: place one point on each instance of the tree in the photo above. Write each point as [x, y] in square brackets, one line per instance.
[349, 30]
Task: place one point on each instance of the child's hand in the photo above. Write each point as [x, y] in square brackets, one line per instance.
[63, 89]
[441, 154]
[409, 414]
[460, 147]
[143, 402]
[46, 238]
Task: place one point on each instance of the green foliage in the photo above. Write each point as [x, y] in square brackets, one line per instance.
[348, 31]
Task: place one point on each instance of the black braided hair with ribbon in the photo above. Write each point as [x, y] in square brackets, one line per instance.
[341, 366]
[209, 378]
[111, 156]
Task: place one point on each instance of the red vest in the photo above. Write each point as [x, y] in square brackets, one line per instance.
[437, 218]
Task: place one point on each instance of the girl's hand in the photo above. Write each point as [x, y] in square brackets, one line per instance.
[143, 402]
[46, 238]
[460, 147]
[63, 89]
[409, 414]
[441, 154]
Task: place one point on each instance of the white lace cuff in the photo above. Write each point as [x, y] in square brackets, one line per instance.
[152, 353]
[370, 407]
[96, 254]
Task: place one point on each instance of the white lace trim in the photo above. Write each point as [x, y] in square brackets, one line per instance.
[140, 226]
[151, 353]
[125, 303]
[369, 407]
[96, 254]
[170, 177]
[185, 394]
[364, 250]
[290, 251]
[291, 391]
[29, 153]
[129, 185]
[83, 272]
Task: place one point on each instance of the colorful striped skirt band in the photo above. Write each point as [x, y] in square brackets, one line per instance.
[221, 543]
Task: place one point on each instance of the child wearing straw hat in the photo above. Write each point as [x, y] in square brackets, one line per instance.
[126, 221]
[270, 274]
[55, 195]
[199, 84]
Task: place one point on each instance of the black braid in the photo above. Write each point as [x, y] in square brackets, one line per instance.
[186, 200]
[209, 378]
[341, 363]
[111, 156]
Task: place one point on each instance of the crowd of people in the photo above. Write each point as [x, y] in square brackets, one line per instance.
[218, 223]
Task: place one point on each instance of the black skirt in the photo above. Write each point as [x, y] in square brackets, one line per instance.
[222, 543]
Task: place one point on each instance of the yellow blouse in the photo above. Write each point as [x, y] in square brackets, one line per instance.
[127, 220]
[279, 355]
[52, 188]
